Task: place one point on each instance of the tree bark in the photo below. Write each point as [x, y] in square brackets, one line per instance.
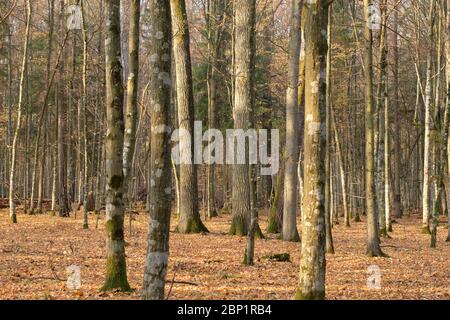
[373, 233]
[189, 220]
[157, 257]
[12, 204]
[312, 265]
[289, 232]
[116, 270]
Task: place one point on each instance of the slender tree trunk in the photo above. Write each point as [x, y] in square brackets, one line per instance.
[397, 204]
[328, 223]
[132, 92]
[189, 221]
[12, 204]
[289, 232]
[241, 201]
[116, 270]
[254, 226]
[426, 213]
[63, 200]
[447, 116]
[373, 233]
[157, 257]
[84, 107]
[312, 265]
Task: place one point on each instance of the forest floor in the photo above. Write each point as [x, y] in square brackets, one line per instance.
[35, 253]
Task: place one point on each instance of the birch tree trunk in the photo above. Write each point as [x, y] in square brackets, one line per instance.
[12, 190]
[373, 233]
[312, 265]
[116, 270]
[289, 232]
[426, 213]
[189, 220]
[157, 257]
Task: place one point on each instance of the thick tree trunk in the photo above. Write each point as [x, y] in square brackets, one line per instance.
[157, 257]
[116, 270]
[189, 220]
[289, 232]
[312, 265]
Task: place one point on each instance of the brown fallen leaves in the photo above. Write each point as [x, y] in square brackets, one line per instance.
[35, 253]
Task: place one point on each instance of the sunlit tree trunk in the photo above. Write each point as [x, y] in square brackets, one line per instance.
[132, 92]
[116, 270]
[373, 233]
[289, 232]
[12, 190]
[241, 202]
[312, 265]
[426, 213]
[189, 220]
[328, 223]
[157, 257]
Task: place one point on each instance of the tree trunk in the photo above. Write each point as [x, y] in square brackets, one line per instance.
[132, 92]
[373, 233]
[312, 265]
[426, 213]
[397, 204]
[328, 223]
[157, 257]
[189, 220]
[289, 232]
[116, 270]
[12, 204]
[63, 200]
[241, 202]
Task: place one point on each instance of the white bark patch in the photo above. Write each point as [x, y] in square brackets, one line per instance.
[168, 190]
[313, 128]
[159, 35]
[315, 87]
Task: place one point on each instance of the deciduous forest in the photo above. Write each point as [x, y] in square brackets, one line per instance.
[224, 149]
